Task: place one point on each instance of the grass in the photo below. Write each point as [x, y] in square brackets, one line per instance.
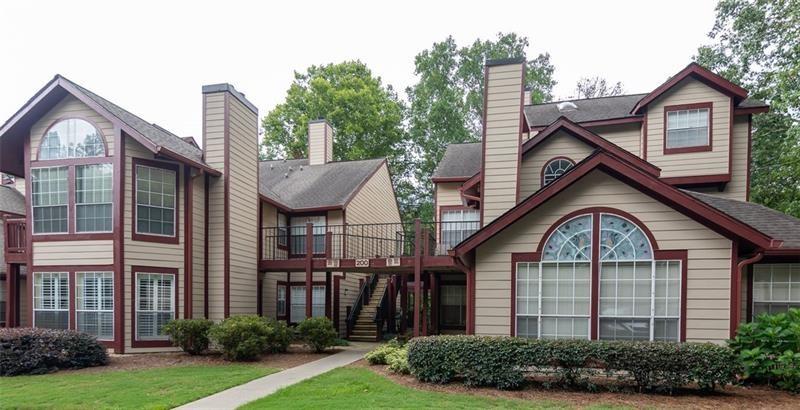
[351, 388]
[159, 388]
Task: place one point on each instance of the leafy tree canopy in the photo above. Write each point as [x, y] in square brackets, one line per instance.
[757, 44]
[591, 87]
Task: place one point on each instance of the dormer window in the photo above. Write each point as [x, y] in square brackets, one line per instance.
[688, 128]
[72, 138]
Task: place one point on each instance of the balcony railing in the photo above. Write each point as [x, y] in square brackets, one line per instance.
[362, 241]
[15, 238]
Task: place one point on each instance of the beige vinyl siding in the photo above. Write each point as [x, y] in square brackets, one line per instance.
[213, 142]
[502, 139]
[24, 296]
[626, 136]
[148, 254]
[19, 184]
[243, 207]
[320, 143]
[348, 291]
[447, 194]
[559, 145]
[709, 255]
[375, 204]
[94, 252]
[198, 246]
[737, 187]
[269, 292]
[713, 162]
[70, 107]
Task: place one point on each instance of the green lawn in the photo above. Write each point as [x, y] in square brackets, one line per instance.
[159, 388]
[355, 388]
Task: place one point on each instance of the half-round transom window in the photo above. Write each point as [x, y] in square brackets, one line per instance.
[572, 241]
[72, 138]
[555, 169]
[622, 240]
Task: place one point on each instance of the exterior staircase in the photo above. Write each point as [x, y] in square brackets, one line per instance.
[365, 328]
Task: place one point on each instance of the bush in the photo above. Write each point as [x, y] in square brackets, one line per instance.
[242, 338]
[38, 351]
[502, 362]
[279, 337]
[397, 360]
[317, 332]
[191, 335]
[769, 349]
[379, 354]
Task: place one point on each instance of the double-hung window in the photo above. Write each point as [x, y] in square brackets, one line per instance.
[50, 200]
[298, 298]
[457, 225]
[688, 128]
[155, 304]
[93, 198]
[776, 288]
[94, 303]
[281, 304]
[51, 300]
[156, 192]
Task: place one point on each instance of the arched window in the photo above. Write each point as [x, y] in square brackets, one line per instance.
[639, 297]
[72, 138]
[555, 168]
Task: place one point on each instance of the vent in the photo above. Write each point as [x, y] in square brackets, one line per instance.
[566, 106]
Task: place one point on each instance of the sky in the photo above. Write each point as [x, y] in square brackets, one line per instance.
[152, 57]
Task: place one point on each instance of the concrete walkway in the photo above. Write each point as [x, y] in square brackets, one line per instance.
[258, 388]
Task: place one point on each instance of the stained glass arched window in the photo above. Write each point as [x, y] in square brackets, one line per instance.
[572, 241]
[554, 169]
[72, 138]
[621, 239]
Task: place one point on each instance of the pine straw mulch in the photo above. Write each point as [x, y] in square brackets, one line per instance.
[732, 397]
[295, 356]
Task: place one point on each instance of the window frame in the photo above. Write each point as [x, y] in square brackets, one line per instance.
[74, 198]
[135, 270]
[285, 287]
[70, 202]
[324, 227]
[99, 297]
[659, 255]
[441, 224]
[72, 117]
[289, 292]
[70, 294]
[751, 294]
[547, 164]
[282, 236]
[150, 237]
[695, 148]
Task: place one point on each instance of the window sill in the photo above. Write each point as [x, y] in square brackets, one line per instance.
[155, 238]
[53, 237]
[686, 150]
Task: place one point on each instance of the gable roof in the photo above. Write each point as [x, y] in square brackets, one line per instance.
[11, 200]
[700, 73]
[155, 138]
[776, 224]
[459, 162]
[590, 138]
[635, 177]
[589, 110]
[315, 187]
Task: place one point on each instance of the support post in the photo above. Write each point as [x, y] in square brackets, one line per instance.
[425, 310]
[392, 302]
[417, 275]
[403, 303]
[11, 300]
[470, 301]
[309, 266]
[328, 276]
[434, 325]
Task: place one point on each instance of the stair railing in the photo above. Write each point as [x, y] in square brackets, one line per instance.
[382, 312]
[362, 299]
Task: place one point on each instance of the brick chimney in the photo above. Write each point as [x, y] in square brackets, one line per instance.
[320, 142]
[504, 94]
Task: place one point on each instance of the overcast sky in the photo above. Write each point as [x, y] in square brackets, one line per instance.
[152, 57]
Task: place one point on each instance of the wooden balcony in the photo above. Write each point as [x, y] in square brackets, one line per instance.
[15, 244]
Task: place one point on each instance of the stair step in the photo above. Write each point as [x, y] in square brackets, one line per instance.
[362, 339]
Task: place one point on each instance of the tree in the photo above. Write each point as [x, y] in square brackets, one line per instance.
[592, 87]
[367, 117]
[757, 44]
[446, 103]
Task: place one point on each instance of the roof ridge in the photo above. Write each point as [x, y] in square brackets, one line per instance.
[586, 99]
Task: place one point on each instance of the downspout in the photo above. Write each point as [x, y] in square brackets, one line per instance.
[739, 269]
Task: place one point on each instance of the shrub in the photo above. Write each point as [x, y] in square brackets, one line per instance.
[397, 360]
[242, 338]
[279, 337]
[502, 361]
[379, 354]
[191, 335]
[769, 349]
[317, 332]
[38, 351]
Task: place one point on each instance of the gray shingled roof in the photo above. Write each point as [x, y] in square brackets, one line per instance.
[11, 200]
[459, 160]
[772, 223]
[156, 134]
[315, 186]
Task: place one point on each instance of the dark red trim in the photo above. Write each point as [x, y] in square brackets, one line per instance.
[119, 240]
[698, 148]
[644, 138]
[336, 289]
[226, 260]
[285, 315]
[590, 138]
[56, 237]
[698, 180]
[541, 172]
[205, 245]
[308, 292]
[449, 179]
[150, 269]
[144, 237]
[700, 73]
[749, 301]
[635, 177]
[750, 110]
[594, 294]
[328, 295]
[188, 240]
[600, 123]
[73, 117]
[28, 234]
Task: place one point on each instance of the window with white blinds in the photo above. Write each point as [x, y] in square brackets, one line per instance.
[457, 225]
[51, 300]
[298, 302]
[155, 304]
[687, 128]
[94, 303]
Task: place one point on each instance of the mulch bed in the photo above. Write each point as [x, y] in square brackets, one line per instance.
[732, 397]
[295, 356]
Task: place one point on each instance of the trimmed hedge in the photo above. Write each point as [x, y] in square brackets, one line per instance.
[38, 351]
[191, 335]
[502, 362]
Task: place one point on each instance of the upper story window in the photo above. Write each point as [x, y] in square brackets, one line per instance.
[457, 225]
[50, 200]
[156, 200]
[93, 195]
[555, 168]
[687, 128]
[72, 138]
[298, 234]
